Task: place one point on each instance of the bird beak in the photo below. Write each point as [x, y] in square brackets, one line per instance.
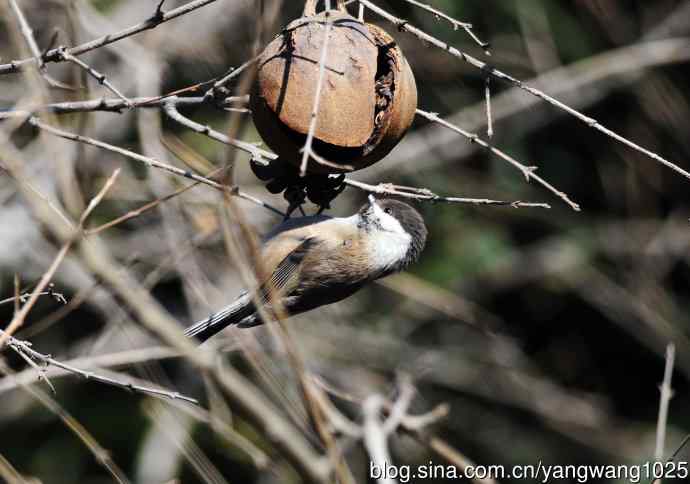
[372, 200]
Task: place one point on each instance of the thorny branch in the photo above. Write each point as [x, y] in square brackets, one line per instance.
[25, 348]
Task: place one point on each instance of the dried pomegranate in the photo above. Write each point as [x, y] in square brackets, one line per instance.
[368, 96]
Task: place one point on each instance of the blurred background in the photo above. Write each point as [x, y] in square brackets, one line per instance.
[544, 330]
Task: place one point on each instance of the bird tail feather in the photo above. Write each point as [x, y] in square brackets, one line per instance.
[235, 313]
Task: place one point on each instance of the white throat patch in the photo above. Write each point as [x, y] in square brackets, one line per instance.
[388, 244]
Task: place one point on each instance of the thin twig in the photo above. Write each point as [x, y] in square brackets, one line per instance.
[101, 78]
[138, 211]
[159, 9]
[487, 101]
[17, 296]
[682, 445]
[423, 194]
[527, 171]
[466, 26]
[233, 73]
[664, 401]
[26, 348]
[307, 151]
[101, 455]
[28, 35]
[25, 297]
[153, 22]
[152, 162]
[10, 474]
[40, 371]
[257, 154]
[19, 318]
[171, 427]
[589, 121]
[117, 105]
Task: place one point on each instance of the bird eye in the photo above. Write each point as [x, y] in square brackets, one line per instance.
[388, 211]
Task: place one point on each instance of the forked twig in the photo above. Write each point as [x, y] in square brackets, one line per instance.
[100, 78]
[424, 194]
[466, 26]
[404, 25]
[28, 35]
[53, 54]
[20, 316]
[25, 349]
[152, 162]
[527, 171]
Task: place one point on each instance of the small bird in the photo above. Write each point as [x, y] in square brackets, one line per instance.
[317, 260]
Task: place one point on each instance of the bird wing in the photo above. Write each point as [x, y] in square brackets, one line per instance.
[242, 311]
[286, 275]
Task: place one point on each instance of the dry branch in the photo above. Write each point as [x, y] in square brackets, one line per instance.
[527, 171]
[307, 149]
[53, 55]
[152, 162]
[20, 316]
[26, 348]
[405, 26]
[28, 35]
[101, 78]
[466, 26]
[101, 455]
[664, 400]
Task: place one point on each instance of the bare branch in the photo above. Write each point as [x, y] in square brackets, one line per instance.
[466, 26]
[22, 298]
[664, 400]
[153, 22]
[25, 348]
[375, 438]
[234, 190]
[307, 150]
[262, 156]
[487, 101]
[589, 121]
[424, 194]
[527, 171]
[232, 74]
[28, 35]
[241, 392]
[101, 78]
[20, 316]
[101, 455]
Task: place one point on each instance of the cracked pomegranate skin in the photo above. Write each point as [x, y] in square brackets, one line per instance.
[368, 96]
